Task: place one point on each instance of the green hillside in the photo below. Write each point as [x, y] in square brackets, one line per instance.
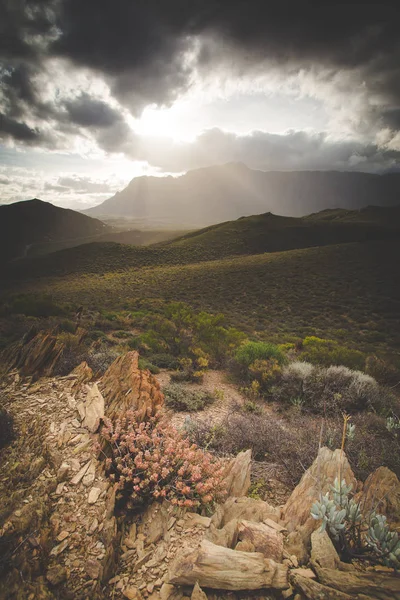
[246, 236]
[347, 291]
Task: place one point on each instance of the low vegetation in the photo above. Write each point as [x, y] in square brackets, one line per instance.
[179, 397]
[152, 460]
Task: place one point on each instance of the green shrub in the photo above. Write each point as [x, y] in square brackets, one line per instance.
[6, 428]
[134, 343]
[319, 351]
[146, 364]
[179, 397]
[249, 352]
[122, 334]
[164, 361]
[96, 334]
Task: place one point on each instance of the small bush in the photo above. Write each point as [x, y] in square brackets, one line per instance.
[100, 358]
[331, 390]
[179, 397]
[250, 352]
[146, 364]
[134, 343]
[97, 334]
[6, 428]
[153, 460]
[164, 361]
[122, 334]
[319, 351]
[384, 371]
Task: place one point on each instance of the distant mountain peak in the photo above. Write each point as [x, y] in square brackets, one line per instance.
[219, 193]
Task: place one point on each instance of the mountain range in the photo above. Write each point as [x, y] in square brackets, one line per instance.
[215, 194]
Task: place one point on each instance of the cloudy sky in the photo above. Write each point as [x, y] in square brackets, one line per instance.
[96, 92]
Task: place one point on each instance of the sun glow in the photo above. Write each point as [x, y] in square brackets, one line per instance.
[175, 123]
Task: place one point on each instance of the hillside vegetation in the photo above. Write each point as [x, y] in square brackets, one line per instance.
[245, 236]
[347, 291]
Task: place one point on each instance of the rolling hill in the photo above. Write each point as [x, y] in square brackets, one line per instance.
[35, 228]
[245, 236]
[215, 194]
[347, 291]
[24, 224]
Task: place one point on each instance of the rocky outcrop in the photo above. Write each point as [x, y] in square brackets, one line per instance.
[126, 387]
[237, 475]
[92, 410]
[316, 480]
[36, 355]
[381, 492]
[83, 374]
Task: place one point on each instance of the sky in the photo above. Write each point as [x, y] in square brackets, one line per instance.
[96, 92]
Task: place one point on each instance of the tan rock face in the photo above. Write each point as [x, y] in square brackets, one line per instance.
[381, 492]
[125, 387]
[35, 355]
[317, 479]
[237, 475]
[83, 373]
[94, 409]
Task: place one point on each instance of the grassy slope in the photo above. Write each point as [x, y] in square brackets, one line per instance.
[349, 291]
[250, 235]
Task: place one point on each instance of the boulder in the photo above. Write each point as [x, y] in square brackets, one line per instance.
[264, 539]
[237, 475]
[323, 553]
[216, 567]
[381, 492]
[316, 480]
[94, 409]
[126, 387]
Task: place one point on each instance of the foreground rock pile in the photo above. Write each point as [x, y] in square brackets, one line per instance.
[61, 536]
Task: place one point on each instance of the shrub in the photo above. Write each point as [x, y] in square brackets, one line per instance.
[266, 373]
[324, 352]
[179, 397]
[6, 428]
[151, 459]
[250, 352]
[122, 334]
[382, 370]
[100, 358]
[332, 390]
[146, 364]
[164, 361]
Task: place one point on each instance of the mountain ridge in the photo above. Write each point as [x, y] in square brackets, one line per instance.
[211, 195]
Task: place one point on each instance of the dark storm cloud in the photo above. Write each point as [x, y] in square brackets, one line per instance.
[147, 50]
[138, 43]
[90, 112]
[17, 130]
